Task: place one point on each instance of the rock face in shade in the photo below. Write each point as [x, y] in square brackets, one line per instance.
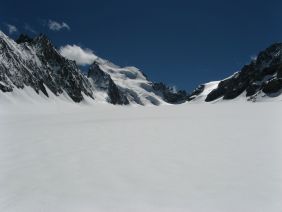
[169, 94]
[36, 63]
[103, 82]
[261, 78]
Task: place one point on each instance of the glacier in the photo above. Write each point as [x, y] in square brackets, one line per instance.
[61, 156]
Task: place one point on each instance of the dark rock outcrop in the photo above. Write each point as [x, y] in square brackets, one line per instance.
[23, 38]
[196, 92]
[102, 81]
[272, 86]
[262, 75]
[169, 94]
[36, 63]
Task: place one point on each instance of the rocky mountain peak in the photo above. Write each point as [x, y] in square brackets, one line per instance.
[24, 38]
[36, 63]
[261, 78]
[270, 56]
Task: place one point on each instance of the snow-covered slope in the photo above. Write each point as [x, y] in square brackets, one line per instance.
[191, 157]
[261, 80]
[36, 63]
[200, 93]
[130, 83]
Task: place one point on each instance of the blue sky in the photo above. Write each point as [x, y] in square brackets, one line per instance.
[182, 43]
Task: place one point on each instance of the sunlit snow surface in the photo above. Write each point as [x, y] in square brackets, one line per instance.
[66, 157]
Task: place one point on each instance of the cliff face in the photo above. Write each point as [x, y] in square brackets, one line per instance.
[36, 63]
[261, 78]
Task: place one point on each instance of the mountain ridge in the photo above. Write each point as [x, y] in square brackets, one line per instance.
[36, 63]
[261, 78]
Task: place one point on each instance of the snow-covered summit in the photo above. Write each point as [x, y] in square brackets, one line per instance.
[35, 63]
[261, 80]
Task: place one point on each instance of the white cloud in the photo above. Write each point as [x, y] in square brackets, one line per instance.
[79, 55]
[56, 26]
[27, 27]
[254, 57]
[11, 28]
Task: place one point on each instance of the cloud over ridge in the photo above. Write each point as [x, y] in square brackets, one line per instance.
[56, 26]
[79, 55]
[11, 28]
